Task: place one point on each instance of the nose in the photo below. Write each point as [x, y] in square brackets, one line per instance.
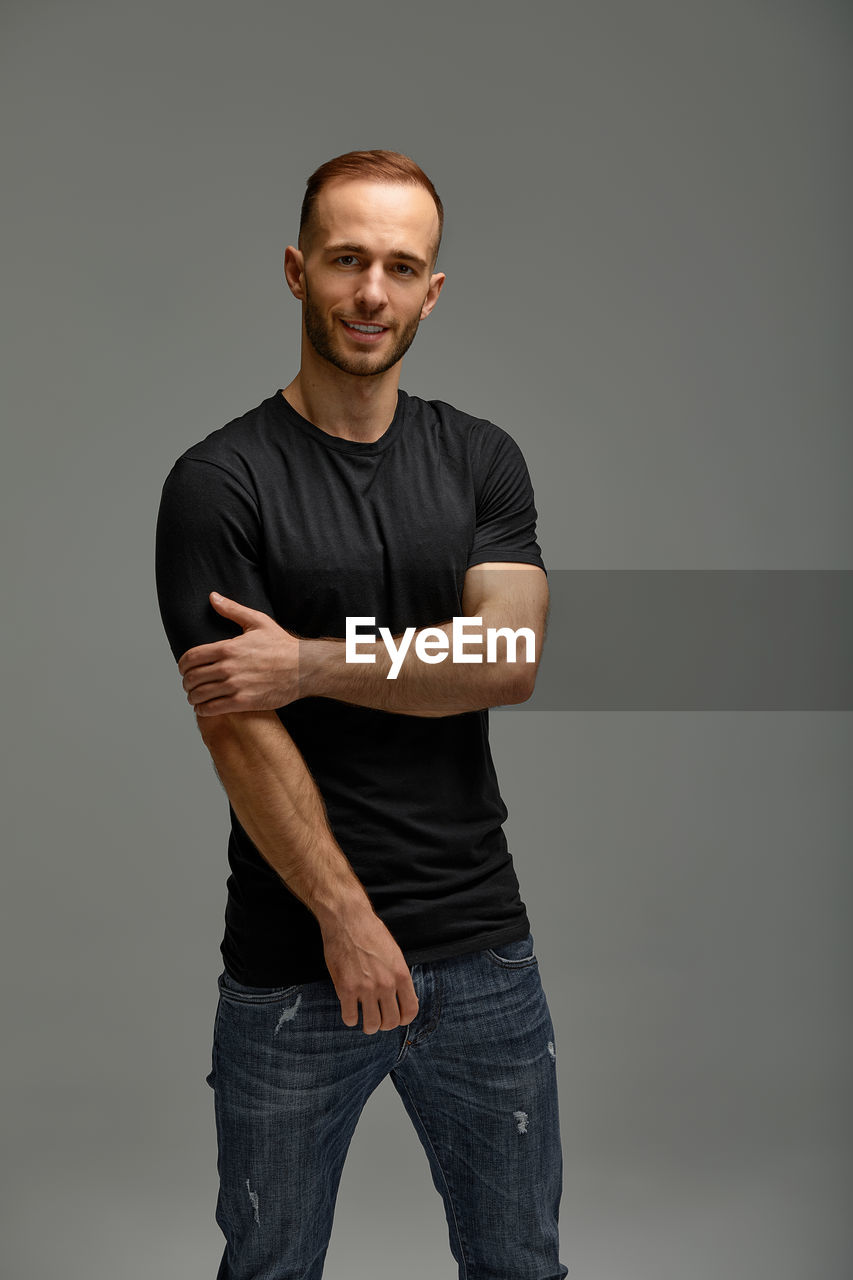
[372, 293]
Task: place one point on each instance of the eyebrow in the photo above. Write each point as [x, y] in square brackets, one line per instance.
[403, 255]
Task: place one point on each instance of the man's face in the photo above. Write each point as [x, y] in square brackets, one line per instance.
[366, 280]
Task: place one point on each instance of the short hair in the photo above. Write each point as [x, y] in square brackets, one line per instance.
[368, 166]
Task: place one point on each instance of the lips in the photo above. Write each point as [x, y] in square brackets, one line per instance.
[363, 332]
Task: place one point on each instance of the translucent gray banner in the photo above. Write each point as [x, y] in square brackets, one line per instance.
[705, 640]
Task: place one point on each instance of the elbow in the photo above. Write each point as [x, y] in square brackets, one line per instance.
[517, 684]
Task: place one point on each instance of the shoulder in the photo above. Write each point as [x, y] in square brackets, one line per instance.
[239, 449]
[479, 433]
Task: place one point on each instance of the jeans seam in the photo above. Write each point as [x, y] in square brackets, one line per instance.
[444, 1177]
[526, 962]
[432, 1026]
[268, 997]
[210, 1078]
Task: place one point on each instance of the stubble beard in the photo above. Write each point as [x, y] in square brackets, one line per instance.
[323, 335]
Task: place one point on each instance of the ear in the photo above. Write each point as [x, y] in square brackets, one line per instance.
[294, 271]
[435, 283]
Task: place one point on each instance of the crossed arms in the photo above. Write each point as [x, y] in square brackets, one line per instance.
[235, 685]
[267, 667]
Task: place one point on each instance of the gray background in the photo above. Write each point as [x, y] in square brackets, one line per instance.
[649, 283]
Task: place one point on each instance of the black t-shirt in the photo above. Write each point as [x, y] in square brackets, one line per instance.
[309, 528]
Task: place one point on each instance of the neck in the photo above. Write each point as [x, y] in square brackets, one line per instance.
[342, 404]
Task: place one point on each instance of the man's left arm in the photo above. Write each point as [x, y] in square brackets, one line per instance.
[268, 667]
[507, 598]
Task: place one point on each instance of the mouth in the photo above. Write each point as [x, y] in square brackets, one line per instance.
[366, 333]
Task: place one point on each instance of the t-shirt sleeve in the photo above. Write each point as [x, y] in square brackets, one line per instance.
[506, 515]
[208, 538]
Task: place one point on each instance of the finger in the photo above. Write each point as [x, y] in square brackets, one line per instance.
[390, 1012]
[216, 707]
[203, 654]
[349, 1010]
[203, 691]
[371, 1018]
[219, 707]
[239, 612]
[196, 676]
[407, 1001]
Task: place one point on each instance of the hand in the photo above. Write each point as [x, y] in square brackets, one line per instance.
[367, 965]
[257, 671]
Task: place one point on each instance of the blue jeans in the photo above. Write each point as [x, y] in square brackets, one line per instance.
[475, 1071]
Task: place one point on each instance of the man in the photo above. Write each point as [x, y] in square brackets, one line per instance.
[371, 887]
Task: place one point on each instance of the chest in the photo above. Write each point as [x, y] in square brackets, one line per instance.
[386, 536]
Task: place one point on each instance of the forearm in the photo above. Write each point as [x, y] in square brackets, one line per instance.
[407, 684]
[281, 810]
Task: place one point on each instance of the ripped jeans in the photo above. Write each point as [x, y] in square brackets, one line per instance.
[475, 1071]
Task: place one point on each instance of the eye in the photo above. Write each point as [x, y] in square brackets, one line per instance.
[403, 269]
[346, 259]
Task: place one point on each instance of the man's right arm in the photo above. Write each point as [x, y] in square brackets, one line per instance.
[280, 808]
[210, 537]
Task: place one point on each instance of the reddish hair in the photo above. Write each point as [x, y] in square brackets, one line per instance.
[368, 166]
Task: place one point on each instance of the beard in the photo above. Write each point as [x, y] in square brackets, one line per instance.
[327, 342]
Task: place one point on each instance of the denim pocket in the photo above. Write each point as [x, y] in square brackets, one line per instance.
[513, 955]
[234, 990]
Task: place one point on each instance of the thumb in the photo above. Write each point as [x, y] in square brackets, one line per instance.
[240, 613]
